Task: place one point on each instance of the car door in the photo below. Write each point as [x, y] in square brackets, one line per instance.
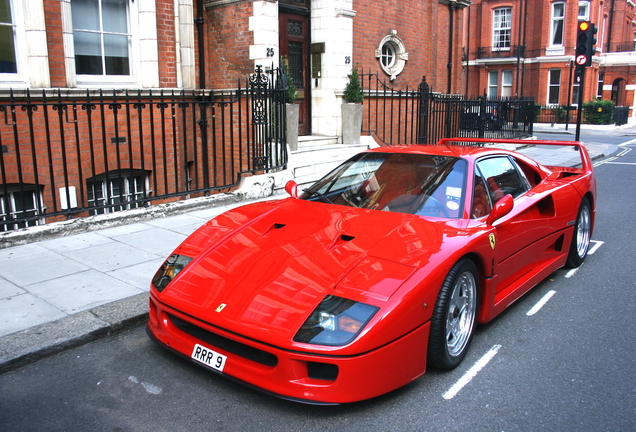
[523, 238]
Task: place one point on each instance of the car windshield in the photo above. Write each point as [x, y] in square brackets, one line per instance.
[420, 184]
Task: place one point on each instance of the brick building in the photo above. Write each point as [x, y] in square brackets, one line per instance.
[527, 47]
[61, 60]
[64, 63]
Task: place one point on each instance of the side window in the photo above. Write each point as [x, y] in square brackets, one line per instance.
[502, 177]
[482, 205]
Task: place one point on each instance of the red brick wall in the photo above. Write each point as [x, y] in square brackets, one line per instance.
[166, 43]
[227, 45]
[53, 20]
[423, 27]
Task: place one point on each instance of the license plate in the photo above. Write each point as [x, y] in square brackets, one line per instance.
[208, 357]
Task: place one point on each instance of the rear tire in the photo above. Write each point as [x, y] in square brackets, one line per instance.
[453, 321]
[582, 235]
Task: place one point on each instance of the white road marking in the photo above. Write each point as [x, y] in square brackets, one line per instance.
[623, 152]
[541, 303]
[597, 244]
[471, 373]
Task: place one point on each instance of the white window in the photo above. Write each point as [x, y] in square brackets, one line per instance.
[576, 88]
[392, 55]
[506, 83]
[8, 57]
[558, 14]
[106, 47]
[599, 87]
[19, 202]
[493, 82]
[554, 86]
[12, 49]
[117, 189]
[101, 37]
[584, 10]
[502, 26]
[387, 58]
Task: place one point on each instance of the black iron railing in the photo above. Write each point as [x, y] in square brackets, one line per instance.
[69, 154]
[419, 115]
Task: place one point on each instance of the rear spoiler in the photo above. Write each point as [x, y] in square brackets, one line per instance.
[586, 162]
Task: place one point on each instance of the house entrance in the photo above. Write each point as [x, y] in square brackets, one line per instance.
[295, 44]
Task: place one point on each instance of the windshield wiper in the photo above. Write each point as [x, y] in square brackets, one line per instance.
[319, 195]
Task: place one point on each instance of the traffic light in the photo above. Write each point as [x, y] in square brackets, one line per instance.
[585, 41]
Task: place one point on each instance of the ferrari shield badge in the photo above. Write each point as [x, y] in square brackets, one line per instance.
[222, 305]
[492, 240]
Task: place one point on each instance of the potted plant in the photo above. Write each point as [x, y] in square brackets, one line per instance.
[291, 108]
[352, 109]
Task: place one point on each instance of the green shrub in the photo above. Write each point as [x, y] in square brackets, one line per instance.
[353, 91]
[598, 112]
[291, 94]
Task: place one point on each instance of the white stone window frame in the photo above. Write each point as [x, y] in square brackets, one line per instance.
[34, 203]
[556, 86]
[500, 29]
[109, 197]
[144, 55]
[393, 43]
[584, 10]
[30, 46]
[493, 84]
[557, 23]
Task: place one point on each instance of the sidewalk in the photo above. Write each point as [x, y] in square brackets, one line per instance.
[63, 292]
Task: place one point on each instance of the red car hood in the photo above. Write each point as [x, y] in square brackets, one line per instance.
[265, 267]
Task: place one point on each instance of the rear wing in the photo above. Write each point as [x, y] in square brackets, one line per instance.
[558, 149]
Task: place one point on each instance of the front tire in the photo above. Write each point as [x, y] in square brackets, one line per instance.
[582, 235]
[453, 321]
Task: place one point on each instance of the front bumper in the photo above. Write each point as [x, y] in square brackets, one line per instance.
[299, 376]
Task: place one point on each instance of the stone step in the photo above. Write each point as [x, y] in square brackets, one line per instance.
[311, 162]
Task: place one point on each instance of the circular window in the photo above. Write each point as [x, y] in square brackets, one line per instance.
[392, 55]
[388, 55]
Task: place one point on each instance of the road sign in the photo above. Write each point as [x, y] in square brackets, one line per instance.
[581, 59]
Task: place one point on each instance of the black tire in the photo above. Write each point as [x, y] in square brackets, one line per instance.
[454, 316]
[582, 235]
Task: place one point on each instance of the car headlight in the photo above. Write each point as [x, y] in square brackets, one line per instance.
[336, 321]
[169, 270]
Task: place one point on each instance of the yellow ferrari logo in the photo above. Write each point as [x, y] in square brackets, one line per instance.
[492, 240]
[221, 307]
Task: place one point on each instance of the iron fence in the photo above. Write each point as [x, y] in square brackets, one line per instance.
[65, 154]
[419, 115]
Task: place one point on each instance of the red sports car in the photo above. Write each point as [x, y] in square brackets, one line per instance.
[375, 272]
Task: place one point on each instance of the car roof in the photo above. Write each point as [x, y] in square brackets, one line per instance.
[465, 152]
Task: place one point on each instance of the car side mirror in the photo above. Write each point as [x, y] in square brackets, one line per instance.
[291, 187]
[501, 208]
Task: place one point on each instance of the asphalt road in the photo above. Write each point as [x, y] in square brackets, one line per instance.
[568, 365]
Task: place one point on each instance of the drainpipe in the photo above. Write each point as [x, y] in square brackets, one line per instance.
[451, 8]
[199, 22]
[203, 122]
[519, 48]
[609, 30]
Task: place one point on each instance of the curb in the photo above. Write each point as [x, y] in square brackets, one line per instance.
[36, 343]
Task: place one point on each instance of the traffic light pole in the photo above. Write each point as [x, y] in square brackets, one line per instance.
[580, 74]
